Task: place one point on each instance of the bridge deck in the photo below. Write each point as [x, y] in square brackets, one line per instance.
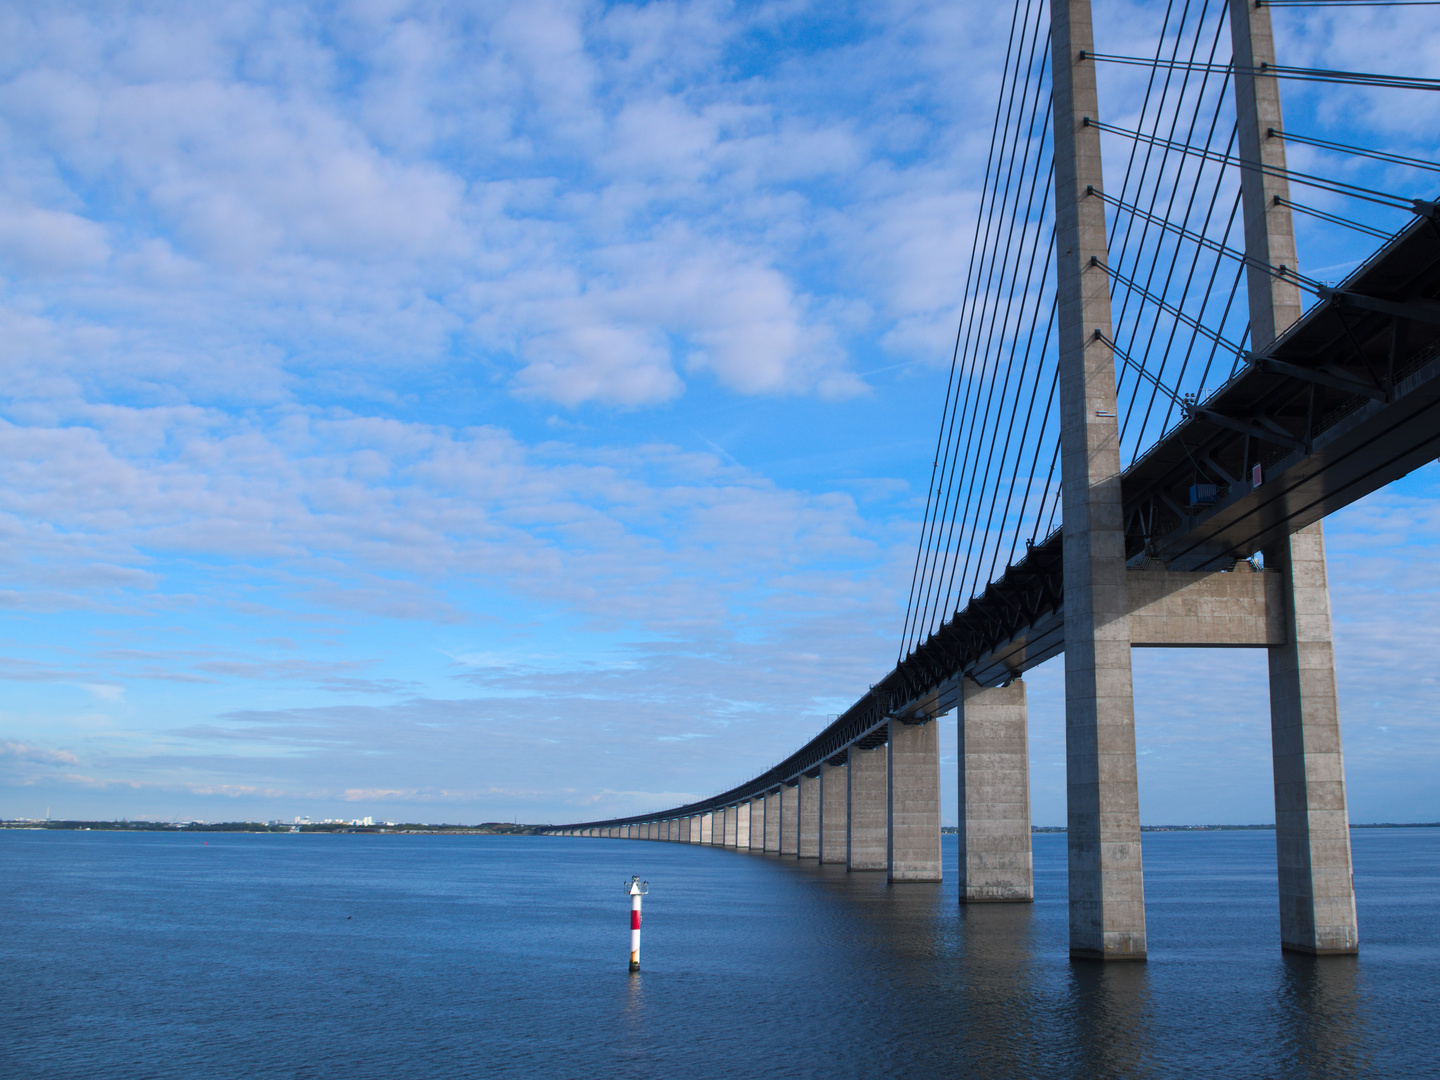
[1344, 402]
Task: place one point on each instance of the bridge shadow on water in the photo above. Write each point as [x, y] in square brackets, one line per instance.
[900, 980]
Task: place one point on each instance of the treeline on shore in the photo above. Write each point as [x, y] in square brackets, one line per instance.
[488, 828]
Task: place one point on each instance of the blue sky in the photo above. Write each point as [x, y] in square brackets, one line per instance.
[491, 411]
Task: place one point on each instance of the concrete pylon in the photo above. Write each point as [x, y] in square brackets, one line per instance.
[1312, 826]
[912, 817]
[996, 861]
[742, 826]
[866, 811]
[1312, 821]
[707, 825]
[1269, 226]
[809, 817]
[1107, 890]
[834, 813]
[757, 824]
[732, 826]
[789, 819]
[772, 821]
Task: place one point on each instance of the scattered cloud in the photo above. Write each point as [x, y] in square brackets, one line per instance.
[16, 751]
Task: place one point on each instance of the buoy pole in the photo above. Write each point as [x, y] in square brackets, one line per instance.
[637, 889]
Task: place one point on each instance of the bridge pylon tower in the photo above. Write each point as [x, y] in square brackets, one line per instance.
[1312, 827]
[1107, 888]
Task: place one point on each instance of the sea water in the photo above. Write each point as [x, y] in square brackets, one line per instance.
[217, 956]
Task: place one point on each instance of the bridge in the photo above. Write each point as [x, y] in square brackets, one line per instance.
[1182, 515]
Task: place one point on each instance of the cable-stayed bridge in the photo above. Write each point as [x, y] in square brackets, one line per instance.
[1149, 413]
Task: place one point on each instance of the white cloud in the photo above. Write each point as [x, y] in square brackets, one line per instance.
[21, 752]
[260, 208]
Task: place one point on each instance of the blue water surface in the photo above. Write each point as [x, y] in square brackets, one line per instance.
[151, 955]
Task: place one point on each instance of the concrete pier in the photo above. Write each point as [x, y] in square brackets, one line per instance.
[866, 809]
[996, 862]
[732, 825]
[757, 824]
[1107, 890]
[742, 826]
[834, 814]
[809, 846]
[706, 825]
[1312, 822]
[789, 819]
[772, 821]
[912, 836]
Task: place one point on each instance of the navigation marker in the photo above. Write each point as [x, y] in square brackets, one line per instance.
[637, 889]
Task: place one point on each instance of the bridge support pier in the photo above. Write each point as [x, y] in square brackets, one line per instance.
[834, 813]
[866, 811]
[1312, 823]
[809, 847]
[996, 862]
[707, 826]
[1107, 889]
[757, 823]
[772, 821]
[912, 818]
[789, 819]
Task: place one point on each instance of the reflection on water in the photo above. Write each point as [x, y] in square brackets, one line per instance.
[995, 978]
[1109, 1015]
[351, 958]
[1319, 1006]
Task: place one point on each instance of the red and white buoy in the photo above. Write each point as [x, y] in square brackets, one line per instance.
[637, 889]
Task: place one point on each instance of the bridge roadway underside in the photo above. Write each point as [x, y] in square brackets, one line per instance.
[1344, 402]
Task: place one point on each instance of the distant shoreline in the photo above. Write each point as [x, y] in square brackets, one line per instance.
[495, 828]
[489, 828]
